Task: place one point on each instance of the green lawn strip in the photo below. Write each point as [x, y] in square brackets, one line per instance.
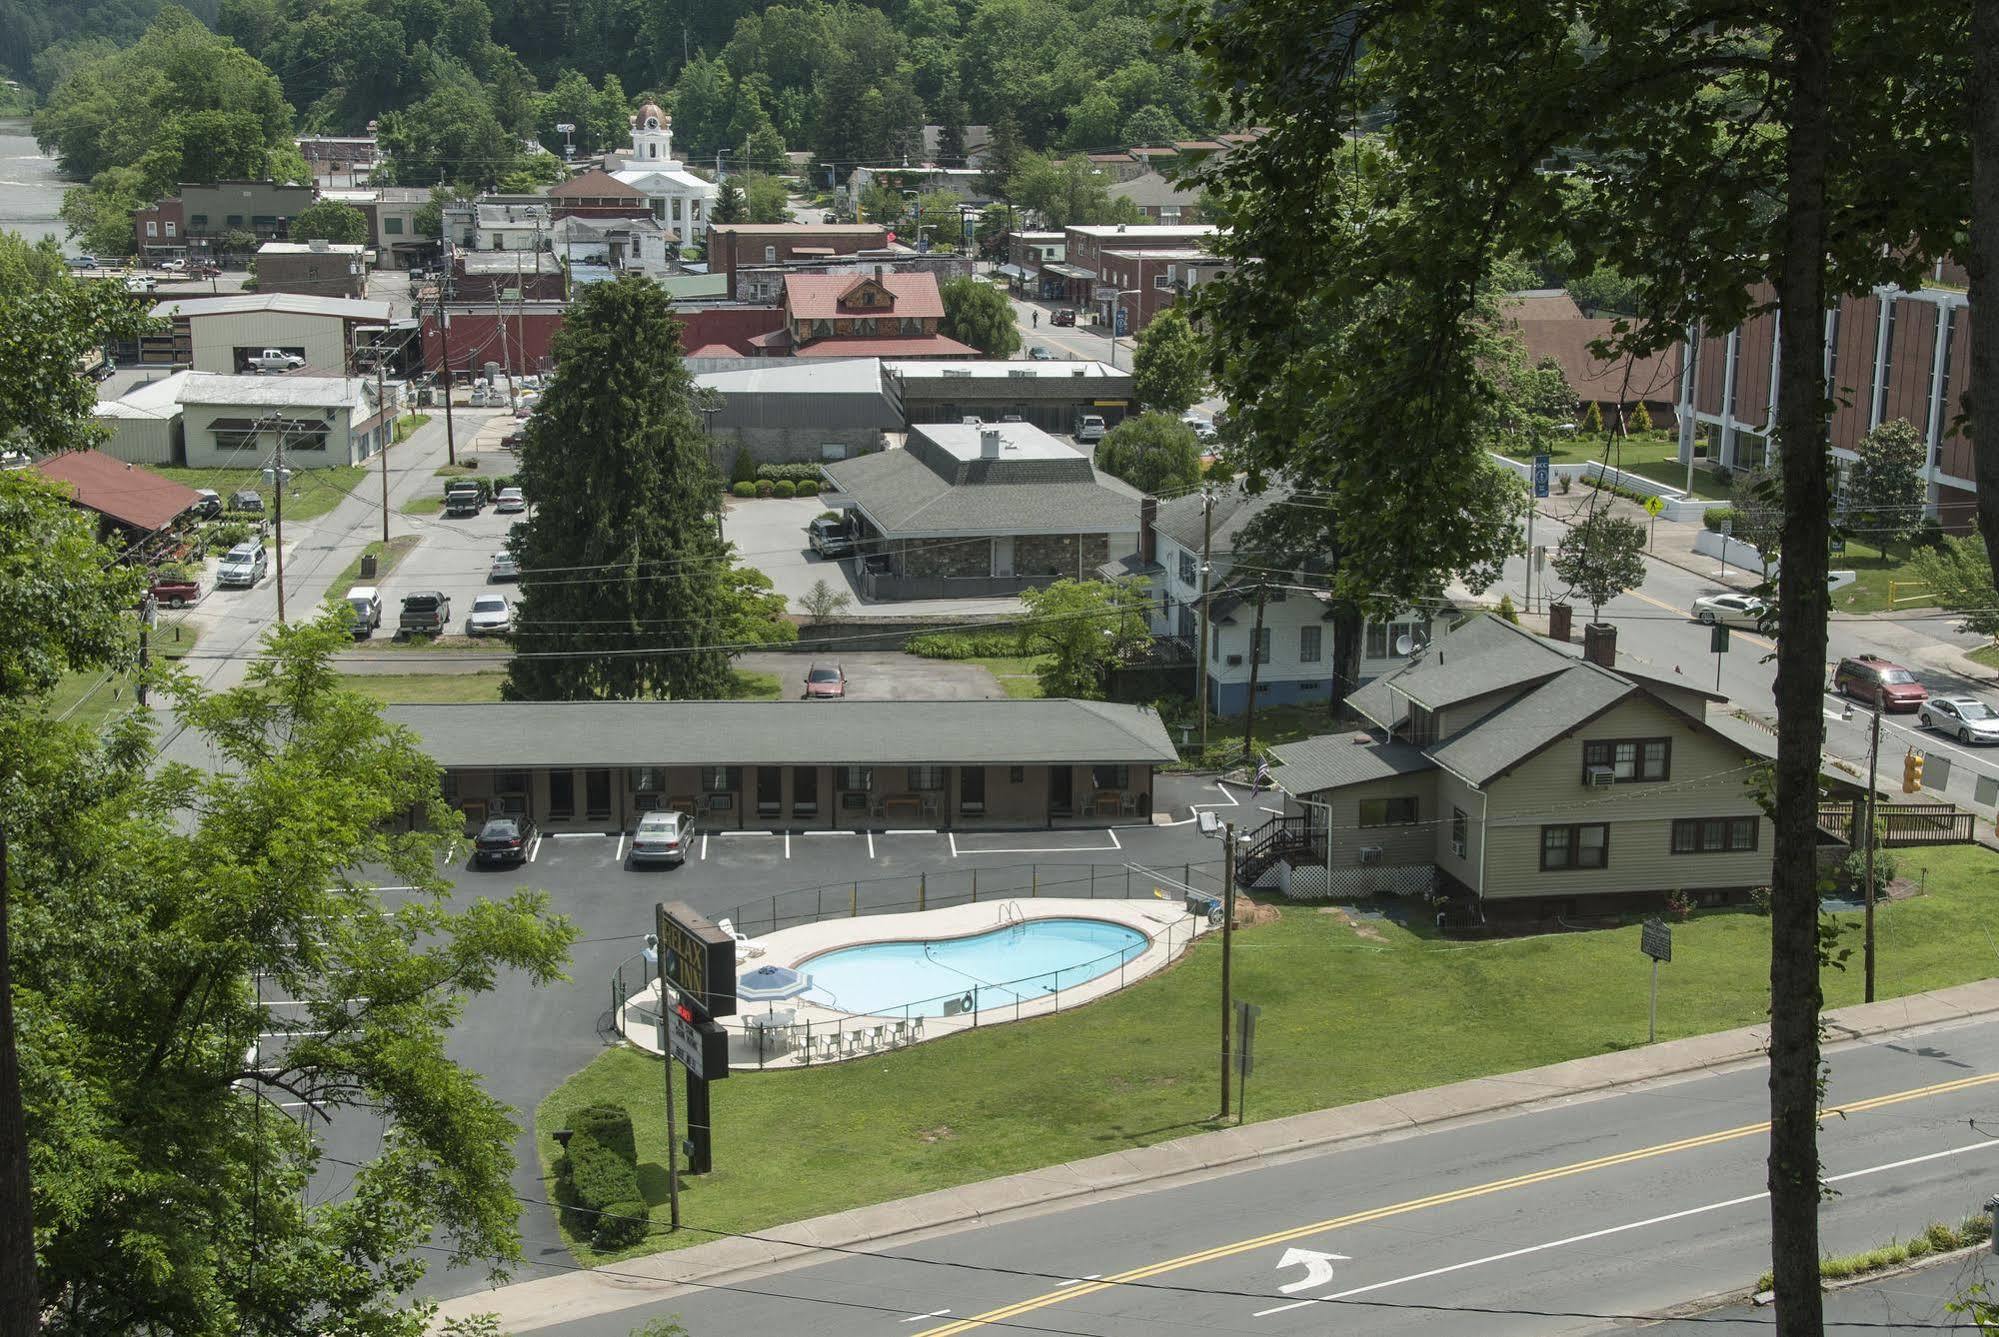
[1938, 1237]
[93, 697]
[1135, 1068]
[313, 492]
[1016, 674]
[386, 556]
[1635, 449]
[484, 685]
[1274, 724]
[1875, 569]
[408, 424]
[422, 506]
[1987, 655]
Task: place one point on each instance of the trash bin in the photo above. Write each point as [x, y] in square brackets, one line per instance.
[1559, 615]
[368, 566]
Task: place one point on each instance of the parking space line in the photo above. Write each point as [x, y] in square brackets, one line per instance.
[1233, 802]
[787, 844]
[1059, 849]
[746, 833]
[871, 842]
[954, 843]
[534, 849]
[910, 831]
[704, 844]
[1114, 840]
[621, 847]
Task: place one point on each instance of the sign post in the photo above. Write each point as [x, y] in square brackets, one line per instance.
[1245, 1052]
[1542, 469]
[1655, 939]
[697, 964]
[1653, 505]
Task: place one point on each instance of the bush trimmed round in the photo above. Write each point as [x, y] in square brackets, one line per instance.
[744, 489]
[808, 488]
[784, 487]
[765, 487]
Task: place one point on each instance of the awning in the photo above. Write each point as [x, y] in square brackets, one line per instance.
[1011, 271]
[1069, 271]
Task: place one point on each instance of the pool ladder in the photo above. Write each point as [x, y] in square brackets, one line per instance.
[1010, 914]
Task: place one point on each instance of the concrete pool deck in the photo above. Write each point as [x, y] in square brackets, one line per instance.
[1167, 926]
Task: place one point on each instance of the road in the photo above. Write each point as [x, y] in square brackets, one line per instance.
[1572, 1219]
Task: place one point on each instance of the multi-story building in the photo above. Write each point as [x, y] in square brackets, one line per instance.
[738, 246]
[1147, 281]
[1160, 200]
[212, 212]
[862, 315]
[1083, 284]
[316, 268]
[1889, 354]
[680, 200]
[339, 160]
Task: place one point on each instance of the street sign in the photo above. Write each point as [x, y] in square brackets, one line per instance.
[1717, 638]
[1654, 505]
[1541, 471]
[1838, 547]
[1655, 939]
[701, 1046]
[1727, 528]
[696, 959]
[1245, 1042]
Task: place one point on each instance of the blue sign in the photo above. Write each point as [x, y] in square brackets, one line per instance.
[1541, 475]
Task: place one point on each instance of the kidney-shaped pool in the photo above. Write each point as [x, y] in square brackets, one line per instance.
[1016, 962]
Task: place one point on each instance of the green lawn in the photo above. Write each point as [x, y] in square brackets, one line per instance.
[1274, 724]
[1631, 451]
[1015, 674]
[1987, 655]
[313, 492]
[1875, 568]
[1347, 1016]
[93, 698]
[422, 506]
[450, 688]
[408, 424]
[386, 556]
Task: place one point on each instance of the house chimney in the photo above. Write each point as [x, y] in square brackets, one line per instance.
[1148, 542]
[878, 274]
[989, 443]
[1600, 644]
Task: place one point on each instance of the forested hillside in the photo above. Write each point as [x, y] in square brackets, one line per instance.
[41, 40]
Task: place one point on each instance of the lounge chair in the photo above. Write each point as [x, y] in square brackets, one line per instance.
[748, 948]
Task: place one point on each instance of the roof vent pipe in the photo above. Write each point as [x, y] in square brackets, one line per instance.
[989, 443]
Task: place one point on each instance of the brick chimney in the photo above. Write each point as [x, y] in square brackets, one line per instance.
[1600, 644]
[1148, 542]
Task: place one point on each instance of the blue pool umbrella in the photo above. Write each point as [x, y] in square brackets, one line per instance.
[768, 984]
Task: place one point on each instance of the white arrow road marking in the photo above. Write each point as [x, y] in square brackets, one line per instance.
[1318, 1268]
[1609, 1230]
[918, 1318]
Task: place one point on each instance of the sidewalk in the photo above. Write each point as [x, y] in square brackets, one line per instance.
[572, 1295]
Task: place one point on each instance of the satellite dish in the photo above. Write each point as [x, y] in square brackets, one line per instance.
[1405, 644]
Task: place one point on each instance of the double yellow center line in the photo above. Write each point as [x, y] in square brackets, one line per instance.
[1151, 1270]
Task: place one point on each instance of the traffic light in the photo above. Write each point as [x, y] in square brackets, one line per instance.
[1912, 772]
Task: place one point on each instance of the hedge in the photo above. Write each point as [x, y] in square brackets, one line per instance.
[1717, 516]
[808, 487]
[784, 487]
[966, 645]
[609, 1125]
[765, 487]
[796, 473]
[601, 1167]
[744, 489]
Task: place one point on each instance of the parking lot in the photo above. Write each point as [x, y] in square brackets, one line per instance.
[454, 555]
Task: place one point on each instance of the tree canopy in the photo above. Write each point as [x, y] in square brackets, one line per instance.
[1885, 497]
[331, 220]
[1084, 627]
[1154, 452]
[1600, 557]
[1169, 363]
[977, 313]
[627, 589]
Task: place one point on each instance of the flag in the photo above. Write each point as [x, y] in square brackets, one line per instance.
[1262, 778]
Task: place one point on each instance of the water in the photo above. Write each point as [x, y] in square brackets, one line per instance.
[1015, 962]
[31, 189]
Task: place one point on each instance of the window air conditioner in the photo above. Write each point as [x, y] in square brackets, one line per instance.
[1370, 854]
[1599, 777]
[1235, 661]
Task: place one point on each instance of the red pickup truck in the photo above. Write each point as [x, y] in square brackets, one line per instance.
[175, 591]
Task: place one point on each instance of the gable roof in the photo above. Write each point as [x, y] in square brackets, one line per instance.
[595, 184]
[826, 296]
[123, 492]
[1521, 727]
[1333, 761]
[904, 496]
[1180, 518]
[1486, 655]
[286, 303]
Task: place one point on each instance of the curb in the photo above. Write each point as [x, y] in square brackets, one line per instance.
[573, 1295]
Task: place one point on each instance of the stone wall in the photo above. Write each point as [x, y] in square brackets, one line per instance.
[788, 445]
[946, 557]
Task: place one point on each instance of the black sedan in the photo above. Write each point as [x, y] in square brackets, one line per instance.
[504, 840]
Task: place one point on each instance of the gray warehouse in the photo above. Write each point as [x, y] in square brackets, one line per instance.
[799, 411]
[1047, 395]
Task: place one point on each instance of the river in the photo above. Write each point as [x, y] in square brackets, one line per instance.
[31, 189]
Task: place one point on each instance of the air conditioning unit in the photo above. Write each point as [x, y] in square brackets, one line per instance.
[1235, 661]
[1370, 854]
[1599, 777]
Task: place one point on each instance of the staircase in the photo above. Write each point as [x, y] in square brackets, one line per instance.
[1277, 839]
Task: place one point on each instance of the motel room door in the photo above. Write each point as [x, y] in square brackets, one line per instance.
[1003, 555]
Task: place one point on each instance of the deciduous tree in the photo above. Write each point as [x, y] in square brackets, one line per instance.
[1169, 365]
[1602, 556]
[1084, 627]
[1958, 575]
[765, 200]
[977, 313]
[331, 220]
[1154, 452]
[1885, 496]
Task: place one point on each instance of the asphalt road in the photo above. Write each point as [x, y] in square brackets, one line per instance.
[1578, 1218]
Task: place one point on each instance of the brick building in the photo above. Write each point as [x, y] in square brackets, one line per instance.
[1148, 281]
[1082, 264]
[862, 315]
[316, 268]
[734, 246]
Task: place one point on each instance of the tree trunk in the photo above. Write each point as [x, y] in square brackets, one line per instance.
[19, 1309]
[1348, 628]
[1801, 621]
[1982, 260]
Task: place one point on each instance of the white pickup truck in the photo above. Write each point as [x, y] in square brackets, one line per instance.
[276, 359]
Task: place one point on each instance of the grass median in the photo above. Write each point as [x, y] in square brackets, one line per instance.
[410, 689]
[313, 492]
[1353, 1009]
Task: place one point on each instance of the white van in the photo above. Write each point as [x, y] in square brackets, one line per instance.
[366, 601]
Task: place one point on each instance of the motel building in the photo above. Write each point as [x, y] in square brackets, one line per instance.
[797, 765]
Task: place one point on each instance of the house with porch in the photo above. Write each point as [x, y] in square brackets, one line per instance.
[1518, 778]
[883, 314]
[797, 765]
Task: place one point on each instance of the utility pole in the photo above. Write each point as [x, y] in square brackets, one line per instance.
[20, 1310]
[278, 492]
[444, 341]
[148, 612]
[1228, 942]
[1207, 542]
[388, 435]
[1255, 659]
[1873, 784]
[506, 353]
[672, 1129]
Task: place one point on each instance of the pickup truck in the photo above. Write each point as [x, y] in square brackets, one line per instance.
[276, 359]
[426, 611]
[463, 499]
[175, 591]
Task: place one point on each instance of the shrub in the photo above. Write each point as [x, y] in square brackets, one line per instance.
[796, 473]
[1593, 420]
[808, 487]
[764, 487]
[743, 489]
[1853, 870]
[1564, 482]
[969, 644]
[504, 481]
[1717, 516]
[1759, 900]
[1507, 610]
[623, 1223]
[601, 1172]
[230, 533]
[783, 487]
[1641, 419]
[746, 468]
[827, 515]
[609, 1125]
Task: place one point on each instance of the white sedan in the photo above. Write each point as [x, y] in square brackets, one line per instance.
[1965, 718]
[490, 616]
[1730, 610]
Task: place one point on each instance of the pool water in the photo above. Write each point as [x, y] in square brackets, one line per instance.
[1014, 963]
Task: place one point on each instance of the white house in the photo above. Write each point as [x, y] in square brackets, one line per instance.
[1297, 644]
[320, 421]
[679, 199]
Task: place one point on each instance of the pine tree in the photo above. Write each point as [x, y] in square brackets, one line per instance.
[624, 519]
[1593, 420]
[1641, 421]
[730, 207]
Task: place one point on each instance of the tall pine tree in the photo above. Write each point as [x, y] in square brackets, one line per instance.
[624, 591]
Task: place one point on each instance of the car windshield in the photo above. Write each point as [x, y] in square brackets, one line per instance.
[823, 675]
[658, 825]
[1897, 677]
[500, 830]
[1975, 710]
[489, 604]
[238, 555]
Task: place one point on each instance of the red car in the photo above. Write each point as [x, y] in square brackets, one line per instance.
[1064, 316]
[1870, 677]
[825, 682]
[175, 591]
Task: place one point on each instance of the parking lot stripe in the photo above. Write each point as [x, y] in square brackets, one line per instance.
[1114, 840]
[954, 844]
[534, 849]
[704, 844]
[787, 844]
[871, 842]
[621, 847]
[910, 831]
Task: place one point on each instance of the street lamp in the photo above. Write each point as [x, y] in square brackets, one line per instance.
[1116, 307]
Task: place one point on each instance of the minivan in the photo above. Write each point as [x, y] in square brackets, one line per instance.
[366, 601]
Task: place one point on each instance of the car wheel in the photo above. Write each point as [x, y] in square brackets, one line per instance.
[1707, 617]
[177, 602]
[1964, 737]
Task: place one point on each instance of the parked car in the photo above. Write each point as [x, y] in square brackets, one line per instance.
[830, 538]
[1730, 610]
[242, 565]
[276, 359]
[463, 499]
[1870, 677]
[662, 837]
[490, 616]
[247, 499]
[825, 682]
[207, 503]
[1040, 353]
[1089, 428]
[504, 840]
[83, 262]
[1063, 316]
[511, 501]
[1204, 428]
[141, 283]
[427, 611]
[175, 591]
[173, 266]
[366, 602]
[206, 271]
[1965, 718]
[504, 567]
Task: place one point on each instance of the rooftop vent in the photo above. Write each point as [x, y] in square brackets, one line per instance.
[989, 443]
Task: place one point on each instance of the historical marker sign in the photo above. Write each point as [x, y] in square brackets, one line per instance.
[1655, 939]
[1542, 469]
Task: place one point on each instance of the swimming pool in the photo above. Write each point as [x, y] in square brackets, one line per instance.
[1013, 963]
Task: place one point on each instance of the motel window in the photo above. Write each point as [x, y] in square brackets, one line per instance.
[1111, 777]
[1629, 760]
[926, 777]
[1309, 644]
[1460, 832]
[1582, 845]
[597, 793]
[857, 777]
[561, 794]
[719, 779]
[1714, 835]
[645, 779]
[1398, 811]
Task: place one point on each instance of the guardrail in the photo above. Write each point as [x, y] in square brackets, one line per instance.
[1902, 824]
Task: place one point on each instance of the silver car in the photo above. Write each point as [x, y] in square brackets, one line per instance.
[1730, 610]
[1965, 718]
[490, 616]
[242, 565]
[662, 837]
[504, 567]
